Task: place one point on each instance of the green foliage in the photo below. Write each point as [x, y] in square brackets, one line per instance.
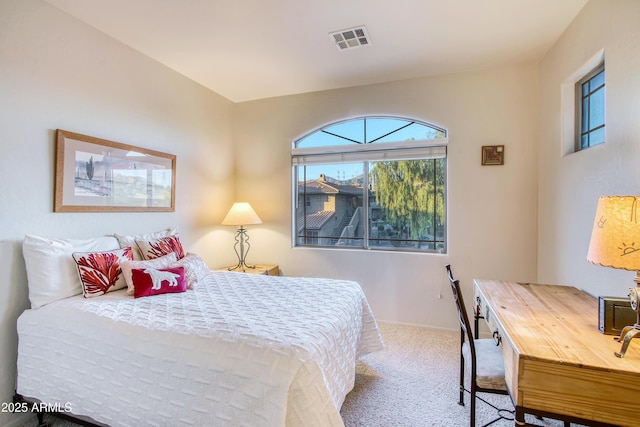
[412, 194]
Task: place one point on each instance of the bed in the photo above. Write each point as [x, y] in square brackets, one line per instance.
[239, 349]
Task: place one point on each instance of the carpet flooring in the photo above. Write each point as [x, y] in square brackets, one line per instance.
[412, 383]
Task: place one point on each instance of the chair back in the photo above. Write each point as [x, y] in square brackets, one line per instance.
[491, 378]
[465, 325]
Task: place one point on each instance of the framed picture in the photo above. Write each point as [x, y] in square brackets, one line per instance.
[492, 155]
[96, 175]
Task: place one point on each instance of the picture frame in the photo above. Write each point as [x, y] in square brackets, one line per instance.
[98, 175]
[492, 155]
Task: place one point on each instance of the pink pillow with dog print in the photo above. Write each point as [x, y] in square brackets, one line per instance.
[151, 281]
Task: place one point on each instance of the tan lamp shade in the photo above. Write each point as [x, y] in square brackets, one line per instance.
[241, 213]
[615, 239]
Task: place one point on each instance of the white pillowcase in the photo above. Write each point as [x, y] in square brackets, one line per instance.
[130, 240]
[51, 270]
[157, 263]
[195, 269]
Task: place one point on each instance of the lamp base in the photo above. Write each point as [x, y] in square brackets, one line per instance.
[628, 333]
[241, 266]
[242, 243]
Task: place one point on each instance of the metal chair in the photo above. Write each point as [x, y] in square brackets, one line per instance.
[483, 360]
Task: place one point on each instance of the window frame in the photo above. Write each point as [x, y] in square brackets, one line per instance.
[367, 153]
[579, 98]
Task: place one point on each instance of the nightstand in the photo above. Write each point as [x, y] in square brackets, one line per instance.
[266, 269]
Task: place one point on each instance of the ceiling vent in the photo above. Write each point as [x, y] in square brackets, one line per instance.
[350, 38]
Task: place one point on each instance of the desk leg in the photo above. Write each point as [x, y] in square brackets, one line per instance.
[519, 420]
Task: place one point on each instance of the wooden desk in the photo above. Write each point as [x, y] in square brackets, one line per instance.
[557, 363]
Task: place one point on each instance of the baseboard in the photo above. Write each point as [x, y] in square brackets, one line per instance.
[415, 325]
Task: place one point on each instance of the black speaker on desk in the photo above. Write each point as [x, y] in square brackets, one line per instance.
[615, 313]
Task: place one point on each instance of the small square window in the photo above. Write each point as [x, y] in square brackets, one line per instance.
[590, 109]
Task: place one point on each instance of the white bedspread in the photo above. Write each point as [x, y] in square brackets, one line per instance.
[241, 350]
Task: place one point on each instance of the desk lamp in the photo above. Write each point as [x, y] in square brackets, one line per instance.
[240, 215]
[615, 242]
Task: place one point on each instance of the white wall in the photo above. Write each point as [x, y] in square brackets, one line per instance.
[492, 209]
[569, 186]
[56, 72]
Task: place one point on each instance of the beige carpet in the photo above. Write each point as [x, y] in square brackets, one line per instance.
[412, 383]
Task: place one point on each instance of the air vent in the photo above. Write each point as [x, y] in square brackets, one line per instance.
[350, 38]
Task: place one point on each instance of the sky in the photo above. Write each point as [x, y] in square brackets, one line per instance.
[365, 130]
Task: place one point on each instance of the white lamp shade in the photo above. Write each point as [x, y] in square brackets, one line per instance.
[241, 213]
[615, 239]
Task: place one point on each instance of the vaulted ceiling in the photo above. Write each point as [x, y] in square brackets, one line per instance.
[253, 49]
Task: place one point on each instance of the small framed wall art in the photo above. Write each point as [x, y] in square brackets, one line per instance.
[96, 175]
[492, 155]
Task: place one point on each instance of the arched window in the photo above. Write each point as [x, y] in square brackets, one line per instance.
[371, 183]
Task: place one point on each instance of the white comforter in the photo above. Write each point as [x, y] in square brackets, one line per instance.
[241, 350]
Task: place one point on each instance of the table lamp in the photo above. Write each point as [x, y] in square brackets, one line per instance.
[240, 215]
[615, 242]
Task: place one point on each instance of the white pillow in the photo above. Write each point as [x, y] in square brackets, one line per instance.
[157, 263]
[51, 270]
[195, 269]
[130, 240]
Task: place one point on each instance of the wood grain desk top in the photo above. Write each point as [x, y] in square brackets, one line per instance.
[556, 360]
[555, 322]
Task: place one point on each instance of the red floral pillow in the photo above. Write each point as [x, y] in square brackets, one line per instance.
[100, 272]
[155, 248]
[151, 281]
